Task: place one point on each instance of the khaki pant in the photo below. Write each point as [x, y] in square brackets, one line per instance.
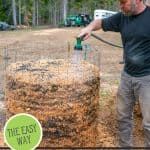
[130, 90]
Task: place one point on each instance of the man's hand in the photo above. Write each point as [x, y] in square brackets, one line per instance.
[93, 26]
[85, 33]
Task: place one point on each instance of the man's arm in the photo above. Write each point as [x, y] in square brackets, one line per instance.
[112, 23]
[93, 26]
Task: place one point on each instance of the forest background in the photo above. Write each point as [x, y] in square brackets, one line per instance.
[49, 12]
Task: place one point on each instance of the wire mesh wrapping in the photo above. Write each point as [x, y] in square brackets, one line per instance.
[61, 90]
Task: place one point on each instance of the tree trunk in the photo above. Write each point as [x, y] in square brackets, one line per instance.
[26, 14]
[34, 13]
[19, 12]
[37, 12]
[49, 12]
[65, 8]
[55, 15]
[14, 12]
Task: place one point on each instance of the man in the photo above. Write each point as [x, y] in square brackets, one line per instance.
[133, 23]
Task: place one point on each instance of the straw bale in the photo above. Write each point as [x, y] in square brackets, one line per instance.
[64, 96]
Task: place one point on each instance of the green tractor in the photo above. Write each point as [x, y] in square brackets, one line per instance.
[77, 20]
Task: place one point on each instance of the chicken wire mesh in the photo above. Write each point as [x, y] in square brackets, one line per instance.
[35, 51]
[27, 70]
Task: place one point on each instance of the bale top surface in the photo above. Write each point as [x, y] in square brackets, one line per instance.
[58, 71]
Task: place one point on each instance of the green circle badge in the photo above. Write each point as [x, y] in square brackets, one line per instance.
[22, 132]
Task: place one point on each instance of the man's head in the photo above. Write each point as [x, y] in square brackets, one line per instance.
[131, 7]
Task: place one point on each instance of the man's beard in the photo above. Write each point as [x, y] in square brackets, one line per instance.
[132, 9]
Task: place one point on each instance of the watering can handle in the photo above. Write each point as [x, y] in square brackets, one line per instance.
[81, 37]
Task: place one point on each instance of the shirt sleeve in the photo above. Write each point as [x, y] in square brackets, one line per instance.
[112, 23]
